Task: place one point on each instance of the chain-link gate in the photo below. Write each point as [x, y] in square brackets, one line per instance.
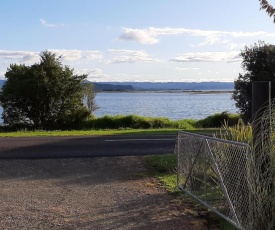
[214, 171]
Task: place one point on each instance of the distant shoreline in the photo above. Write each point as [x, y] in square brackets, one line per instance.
[168, 91]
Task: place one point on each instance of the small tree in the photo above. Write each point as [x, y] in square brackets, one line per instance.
[45, 95]
[89, 97]
[258, 65]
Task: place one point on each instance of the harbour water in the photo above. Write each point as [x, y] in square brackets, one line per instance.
[173, 105]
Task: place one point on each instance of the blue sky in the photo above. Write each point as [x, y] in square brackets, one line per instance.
[142, 40]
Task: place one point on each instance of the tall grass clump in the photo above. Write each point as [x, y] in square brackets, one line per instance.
[238, 132]
[258, 184]
[137, 122]
[218, 119]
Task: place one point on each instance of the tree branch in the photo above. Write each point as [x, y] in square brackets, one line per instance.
[268, 8]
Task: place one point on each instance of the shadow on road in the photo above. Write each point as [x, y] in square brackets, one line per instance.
[81, 171]
[85, 146]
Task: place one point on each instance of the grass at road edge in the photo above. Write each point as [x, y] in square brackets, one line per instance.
[163, 167]
[97, 132]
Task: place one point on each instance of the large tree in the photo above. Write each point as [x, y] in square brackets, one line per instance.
[45, 95]
[258, 65]
[265, 5]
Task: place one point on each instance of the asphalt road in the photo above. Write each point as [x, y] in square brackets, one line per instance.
[85, 146]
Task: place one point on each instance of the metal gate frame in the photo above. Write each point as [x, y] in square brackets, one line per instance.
[213, 154]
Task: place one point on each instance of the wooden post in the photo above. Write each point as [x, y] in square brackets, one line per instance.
[261, 101]
[261, 95]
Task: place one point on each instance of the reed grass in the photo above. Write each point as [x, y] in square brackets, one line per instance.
[239, 132]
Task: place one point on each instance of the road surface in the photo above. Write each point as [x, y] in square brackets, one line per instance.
[85, 146]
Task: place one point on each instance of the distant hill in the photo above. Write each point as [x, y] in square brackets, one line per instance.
[173, 85]
[101, 86]
[109, 86]
[129, 86]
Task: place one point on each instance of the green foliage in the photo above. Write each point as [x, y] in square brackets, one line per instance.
[162, 163]
[218, 119]
[163, 167]
[239, 132]
[258, 65]
[45, 95]
[136, 122]
[170, 182]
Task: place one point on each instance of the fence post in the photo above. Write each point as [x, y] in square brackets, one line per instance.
[261, 95]
[261, 100]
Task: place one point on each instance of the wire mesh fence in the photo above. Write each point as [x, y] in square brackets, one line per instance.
[214, 172]
[236, 180]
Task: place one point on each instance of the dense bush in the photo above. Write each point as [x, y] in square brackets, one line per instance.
[218, 119]
[46, 95]
[258, 65]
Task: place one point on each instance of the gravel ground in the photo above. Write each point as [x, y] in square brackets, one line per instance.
[94, 193]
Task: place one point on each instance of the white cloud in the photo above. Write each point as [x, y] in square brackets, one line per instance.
[128, 56]
[184, 68]
[151, 35]
[93, 74]
[45, 24]
[20, 56]
[235, 46]
[75, 55]
[142, 36]
[128, 52]
[2, 75]
[97, 74]
[67, 55]
[230, 56]
[181, 68]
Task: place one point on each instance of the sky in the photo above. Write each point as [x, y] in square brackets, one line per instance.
[135, 40]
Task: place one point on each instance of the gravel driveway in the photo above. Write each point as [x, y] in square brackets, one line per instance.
[87, 193]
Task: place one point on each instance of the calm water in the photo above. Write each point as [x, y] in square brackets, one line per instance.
[172, 105]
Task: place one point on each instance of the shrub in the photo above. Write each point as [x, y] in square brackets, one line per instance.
[218, 119]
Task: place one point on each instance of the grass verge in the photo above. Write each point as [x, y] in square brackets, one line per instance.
[87, 132]
[98, 132]
[163, 167]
